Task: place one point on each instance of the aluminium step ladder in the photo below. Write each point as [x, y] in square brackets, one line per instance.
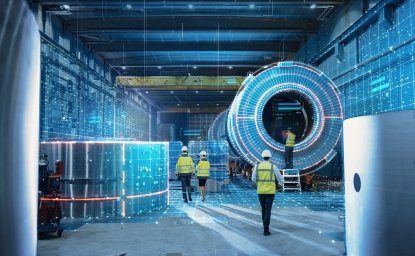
[291, 180]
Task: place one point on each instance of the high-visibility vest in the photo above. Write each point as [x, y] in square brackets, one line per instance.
[265, 178]
[290, 142]
[185, 164]
[203, 168]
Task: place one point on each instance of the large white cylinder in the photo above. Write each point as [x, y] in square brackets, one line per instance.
[379, 161]
[19, 129]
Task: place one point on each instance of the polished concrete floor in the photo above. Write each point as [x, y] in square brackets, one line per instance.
[229, 223]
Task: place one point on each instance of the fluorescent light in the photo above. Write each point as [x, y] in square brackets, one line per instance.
[194, 67]
[65, 7]
[251, 6]
[312, 6]
[128, 6]
[124, 67]
[191, 6]
[159, 67]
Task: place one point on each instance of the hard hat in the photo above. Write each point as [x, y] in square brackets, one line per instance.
[184, 148]
[202, 153]
[266, 153]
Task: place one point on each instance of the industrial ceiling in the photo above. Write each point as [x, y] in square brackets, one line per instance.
[179, 39]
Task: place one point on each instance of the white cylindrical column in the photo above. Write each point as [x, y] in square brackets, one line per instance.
[379, 162]
[19, 127]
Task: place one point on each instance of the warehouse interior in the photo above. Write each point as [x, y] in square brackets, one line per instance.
[98, 98]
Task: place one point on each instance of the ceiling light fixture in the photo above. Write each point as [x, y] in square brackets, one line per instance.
[128, 6]
[191, 6]
[124, 67]
[159, 67]
[251, 6]
[65, 7]
[230, 67]
[313, 6]
[197, 91]
[171, 92]
[194, 67]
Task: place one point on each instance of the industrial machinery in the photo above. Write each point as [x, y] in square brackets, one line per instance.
[49, 209]
[278, 96]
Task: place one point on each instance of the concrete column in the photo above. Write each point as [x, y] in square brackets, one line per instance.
[19, 127]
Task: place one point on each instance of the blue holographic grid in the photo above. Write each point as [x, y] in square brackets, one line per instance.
[377, 73]
[79, 103]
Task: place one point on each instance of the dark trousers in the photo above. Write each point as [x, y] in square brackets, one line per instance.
[289, 157]
[185, 179]
[266, 201]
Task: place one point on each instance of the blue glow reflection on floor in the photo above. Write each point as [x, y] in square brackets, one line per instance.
[240, 193]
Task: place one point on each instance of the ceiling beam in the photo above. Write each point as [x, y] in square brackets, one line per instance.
[130, 47]
[191, 23]
[181, 82]
[185, 3]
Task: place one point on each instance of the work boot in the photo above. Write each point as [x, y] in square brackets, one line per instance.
[189, 193]
[266, 232]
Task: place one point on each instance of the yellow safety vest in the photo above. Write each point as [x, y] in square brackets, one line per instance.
[185, 164]
[290, 142]
[265, 178]
[203, 168]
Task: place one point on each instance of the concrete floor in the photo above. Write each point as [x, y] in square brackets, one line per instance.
[229, 223]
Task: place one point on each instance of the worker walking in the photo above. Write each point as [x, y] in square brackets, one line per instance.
[185, 168]
[289, 148]
[265, 174]
[203, 172]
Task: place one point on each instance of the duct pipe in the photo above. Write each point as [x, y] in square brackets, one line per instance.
[19, 129]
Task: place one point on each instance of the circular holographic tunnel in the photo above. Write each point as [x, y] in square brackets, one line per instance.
[282, 95]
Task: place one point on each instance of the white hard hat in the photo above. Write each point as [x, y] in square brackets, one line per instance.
[202, 153]
[184, 148]
[266, 153]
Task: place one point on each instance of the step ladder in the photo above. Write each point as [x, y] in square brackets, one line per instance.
[291, 180]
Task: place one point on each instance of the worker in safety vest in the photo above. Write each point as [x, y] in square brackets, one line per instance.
[185, 169]
[289, 149]
[264, 174]
[203, 172]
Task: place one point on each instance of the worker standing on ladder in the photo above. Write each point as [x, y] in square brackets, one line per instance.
[289, 148]
[265, 174]
[203, 172]
[185, 168]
